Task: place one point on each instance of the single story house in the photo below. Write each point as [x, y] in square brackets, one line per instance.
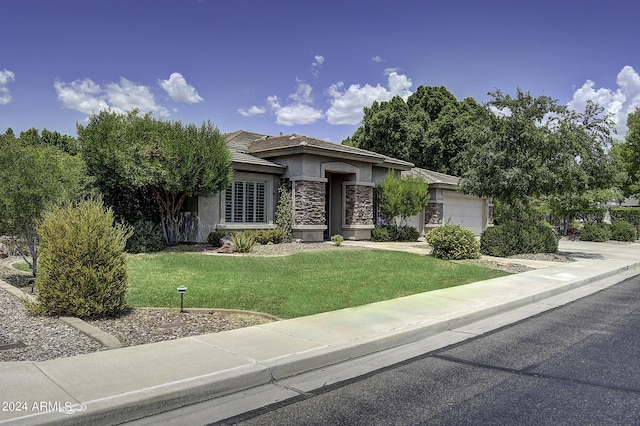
[332, 188]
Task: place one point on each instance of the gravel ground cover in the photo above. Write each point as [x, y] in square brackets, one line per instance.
[25, 337]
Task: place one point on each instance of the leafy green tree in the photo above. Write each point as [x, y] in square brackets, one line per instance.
[170, 160]
[431, 129]
[539, 149]
[65, 143]
[628, 153]
[32, 179]
[401, 197]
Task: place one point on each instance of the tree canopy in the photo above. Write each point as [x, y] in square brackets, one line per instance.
[33, 177]
[538, 149]
[169, 160]
[401, 197]
[431, 129]
[628, 153]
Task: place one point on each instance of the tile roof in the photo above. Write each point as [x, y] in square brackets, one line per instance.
[238, 143]
[255, 148]
[432, 177]
[265, 146]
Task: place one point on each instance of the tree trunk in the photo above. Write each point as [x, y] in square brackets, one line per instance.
[170, 218]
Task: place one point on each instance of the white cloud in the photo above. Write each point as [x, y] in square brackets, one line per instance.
[297, 114]
[179, 90]
[6, 77]
[377, 59]
[253, 111]
[303, 93]
[318, 60]
[347, 104]
[81, 95]
[619, 103]
[86, 96]
[299, 109]
[127, 95]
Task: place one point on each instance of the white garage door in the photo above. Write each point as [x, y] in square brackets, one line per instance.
[468, 212]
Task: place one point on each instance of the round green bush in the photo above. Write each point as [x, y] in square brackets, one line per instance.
[380, 234]
[147, 238]
[598, 232]
[82, 266]
[515, 238]
[453, 242]
[623, 231]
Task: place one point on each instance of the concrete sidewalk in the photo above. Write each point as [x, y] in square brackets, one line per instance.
[120, 385]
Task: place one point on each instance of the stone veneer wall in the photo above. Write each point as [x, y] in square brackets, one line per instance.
[359, 205]
[434, 214]
[309, 203]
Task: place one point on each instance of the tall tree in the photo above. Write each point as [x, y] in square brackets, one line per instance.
[628, 153]
[431, 129]
[33, 177]
[539, 149]
[170, 160]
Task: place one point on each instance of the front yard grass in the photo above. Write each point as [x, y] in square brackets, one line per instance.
[291, 286]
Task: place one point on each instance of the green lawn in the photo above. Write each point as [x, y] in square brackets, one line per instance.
[291, 286]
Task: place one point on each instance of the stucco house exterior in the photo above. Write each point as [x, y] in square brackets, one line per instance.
[449, 205]
[332, 188]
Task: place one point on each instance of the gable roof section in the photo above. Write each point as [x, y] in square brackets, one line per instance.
[238, 143]
[270, 147]
[436, 178]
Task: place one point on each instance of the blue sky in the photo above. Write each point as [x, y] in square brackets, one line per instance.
[306, 67]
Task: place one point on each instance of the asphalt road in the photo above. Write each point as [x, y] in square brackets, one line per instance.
[579, 364]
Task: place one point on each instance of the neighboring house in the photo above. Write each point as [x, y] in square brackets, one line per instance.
[332, 187]
[448, 205]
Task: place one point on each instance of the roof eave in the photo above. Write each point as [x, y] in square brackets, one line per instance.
[308, 149]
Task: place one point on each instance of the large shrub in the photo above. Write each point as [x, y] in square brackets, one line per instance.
[515, 238]
[453, 242]
[83, 271]
[626, 214]
[598, 232]
[147, 238]
[623, 231]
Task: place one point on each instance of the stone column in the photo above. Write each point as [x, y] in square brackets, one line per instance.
[358, 210]
[309, 210]
[433, 215]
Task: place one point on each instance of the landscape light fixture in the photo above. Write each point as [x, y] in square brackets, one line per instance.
[182, 290]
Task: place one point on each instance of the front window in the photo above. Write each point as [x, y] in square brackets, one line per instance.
[245, 202]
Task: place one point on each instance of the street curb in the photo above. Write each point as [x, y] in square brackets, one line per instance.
[141, 403]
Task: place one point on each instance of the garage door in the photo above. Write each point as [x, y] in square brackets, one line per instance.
[468, 212]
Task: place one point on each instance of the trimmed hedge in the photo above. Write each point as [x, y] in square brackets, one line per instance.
[512, 239]
[453, 242]
[598, 232]
[623, 231]
[394, 233]
[626, 214]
